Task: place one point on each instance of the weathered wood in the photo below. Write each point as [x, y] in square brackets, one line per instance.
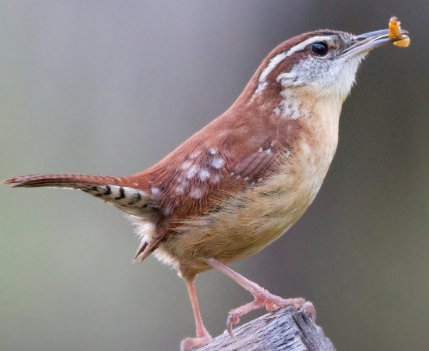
[283, 330]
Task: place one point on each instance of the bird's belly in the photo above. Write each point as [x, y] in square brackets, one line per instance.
[248, 222]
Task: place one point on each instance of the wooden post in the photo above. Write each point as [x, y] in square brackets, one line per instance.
[283, 330]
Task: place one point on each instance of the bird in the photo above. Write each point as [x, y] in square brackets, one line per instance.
[244, 179]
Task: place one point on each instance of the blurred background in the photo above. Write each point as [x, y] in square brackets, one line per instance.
[110, 87]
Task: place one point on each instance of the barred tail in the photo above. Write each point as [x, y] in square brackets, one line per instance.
[109, 189]
[73, 181]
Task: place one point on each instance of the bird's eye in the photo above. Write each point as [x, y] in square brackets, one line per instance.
[319, 49]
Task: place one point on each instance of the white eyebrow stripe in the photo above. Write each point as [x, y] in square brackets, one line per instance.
[271, 65]
[274, 62]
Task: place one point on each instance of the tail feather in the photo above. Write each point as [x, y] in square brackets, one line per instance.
[109, 189]
[73, 181]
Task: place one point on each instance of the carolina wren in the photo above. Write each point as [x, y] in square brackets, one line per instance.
[243, 180]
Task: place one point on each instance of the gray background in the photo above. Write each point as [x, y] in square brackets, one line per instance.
[109, 87]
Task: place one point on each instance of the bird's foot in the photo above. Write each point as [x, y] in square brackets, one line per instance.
[264, 299]
[191, 343]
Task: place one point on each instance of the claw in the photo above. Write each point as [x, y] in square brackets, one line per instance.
[308, 308]
[191, 343]
[230, 323]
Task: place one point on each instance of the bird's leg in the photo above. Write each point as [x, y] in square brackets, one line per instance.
[203, 336]
[263, 298]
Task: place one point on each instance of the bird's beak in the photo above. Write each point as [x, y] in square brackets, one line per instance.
[368, 41]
